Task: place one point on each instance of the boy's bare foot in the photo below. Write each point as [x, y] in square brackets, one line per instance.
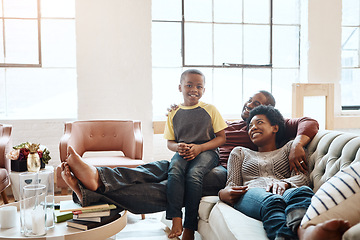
[188, 234]
[87, 174]
[70, 179]
[330, 230]
[176, 228]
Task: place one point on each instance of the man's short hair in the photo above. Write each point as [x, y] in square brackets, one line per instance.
[191, 71]
[269, 98]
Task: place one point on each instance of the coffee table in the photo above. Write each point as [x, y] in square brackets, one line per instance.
[62, 232]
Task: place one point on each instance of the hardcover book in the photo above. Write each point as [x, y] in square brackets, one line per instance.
[86, 225]
[92, 214]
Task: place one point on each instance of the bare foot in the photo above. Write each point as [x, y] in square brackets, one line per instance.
[330, 230]
[87, 174]
[176, 228]
[188, 234]
[70, 179]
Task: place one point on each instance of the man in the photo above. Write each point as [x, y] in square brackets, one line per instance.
[143, 189]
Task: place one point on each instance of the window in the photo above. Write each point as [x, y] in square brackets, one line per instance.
[350, 54]
[233, 42]
[37, 59]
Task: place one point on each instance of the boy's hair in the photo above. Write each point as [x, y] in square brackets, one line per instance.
[274, 116]
[269, 98]
[191, 71]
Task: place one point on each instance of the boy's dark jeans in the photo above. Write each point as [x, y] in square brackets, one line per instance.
[143, 189]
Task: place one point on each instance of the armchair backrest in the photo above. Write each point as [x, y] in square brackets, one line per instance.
[103, 135]
[5, 133]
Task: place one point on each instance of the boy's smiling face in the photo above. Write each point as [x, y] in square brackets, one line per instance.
[192, 88]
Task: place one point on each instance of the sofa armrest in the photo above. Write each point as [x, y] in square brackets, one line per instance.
[206, 205]
[353, 233]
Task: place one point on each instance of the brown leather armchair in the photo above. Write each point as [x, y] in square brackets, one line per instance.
[5, 133]
[102, 135]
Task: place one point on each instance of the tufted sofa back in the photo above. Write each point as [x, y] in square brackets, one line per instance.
[329, 152]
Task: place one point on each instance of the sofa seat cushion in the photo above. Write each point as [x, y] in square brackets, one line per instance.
[113, 161]
[228, 223]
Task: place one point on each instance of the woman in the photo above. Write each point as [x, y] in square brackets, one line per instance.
[261, 185]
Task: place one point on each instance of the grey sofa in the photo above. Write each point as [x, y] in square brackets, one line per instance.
[327, 153]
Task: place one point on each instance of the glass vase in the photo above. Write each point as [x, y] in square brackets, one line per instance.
[33, 162]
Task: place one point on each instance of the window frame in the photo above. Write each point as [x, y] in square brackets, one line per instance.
[22, 65]
[224, 65]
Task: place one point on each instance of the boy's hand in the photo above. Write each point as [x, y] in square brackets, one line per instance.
[182, 149]
[193, 151]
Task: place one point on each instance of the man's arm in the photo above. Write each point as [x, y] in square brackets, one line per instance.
[302, 130]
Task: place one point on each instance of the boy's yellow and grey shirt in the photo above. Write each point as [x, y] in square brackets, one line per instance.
[194, 124]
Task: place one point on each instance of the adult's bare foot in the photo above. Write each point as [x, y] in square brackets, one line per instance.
[176, 228]
[188, 234]
[329, 230]
[70, 179]
[87, 174]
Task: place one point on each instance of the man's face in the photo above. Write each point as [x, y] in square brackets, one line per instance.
[254, 101]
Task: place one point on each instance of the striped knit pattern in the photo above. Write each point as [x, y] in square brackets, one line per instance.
[334, 191]
[258, 169]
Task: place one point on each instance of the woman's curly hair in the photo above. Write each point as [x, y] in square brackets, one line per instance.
[274, 116]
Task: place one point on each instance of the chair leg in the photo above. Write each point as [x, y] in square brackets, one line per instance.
[142, 216]
[4, 197]
[64, 191]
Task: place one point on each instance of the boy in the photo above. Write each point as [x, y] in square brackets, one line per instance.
[194, 131]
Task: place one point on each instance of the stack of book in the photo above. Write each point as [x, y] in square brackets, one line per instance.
[87, 217]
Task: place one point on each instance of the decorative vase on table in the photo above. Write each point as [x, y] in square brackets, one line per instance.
[33, 159]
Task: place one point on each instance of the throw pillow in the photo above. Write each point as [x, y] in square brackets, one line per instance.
[338, 197]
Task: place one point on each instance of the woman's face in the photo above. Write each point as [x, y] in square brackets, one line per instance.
[261, 131]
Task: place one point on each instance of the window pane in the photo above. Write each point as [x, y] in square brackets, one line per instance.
[350, 12]
[285, 46]
[350, 85]
[350, 46]
[227, 91]
[58, 47]
[199, 10]
[2, 58]
[256, 11]
[165, 83]
[286, 12]
[166, 44]
[198, 43]
[169, 10]
[256, 44]
[21, 41]
[20, 8]
[58, 8]
[256, 80]
[2, 93]
[228, 11]
[282, 88]
[50, 93]
[227, 43]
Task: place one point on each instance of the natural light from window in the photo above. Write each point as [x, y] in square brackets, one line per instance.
[37, 83]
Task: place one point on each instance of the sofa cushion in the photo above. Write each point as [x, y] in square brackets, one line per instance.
[206, 205]
[228, 223]
[337, 198]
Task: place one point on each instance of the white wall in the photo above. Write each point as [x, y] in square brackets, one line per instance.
[114, 62]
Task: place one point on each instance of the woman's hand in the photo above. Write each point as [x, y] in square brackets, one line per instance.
[277, 187]
[231, 195]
